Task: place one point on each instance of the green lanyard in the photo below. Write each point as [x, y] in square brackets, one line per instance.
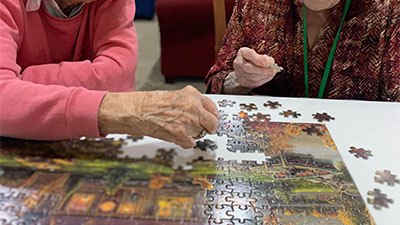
[331, 54]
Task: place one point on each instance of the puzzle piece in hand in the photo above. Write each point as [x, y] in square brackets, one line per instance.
[380, 200]
[272, 105]
[312, 130]
[206, 145]
[248, 107]
[261, 117]
[360, 152]
[323, 117]
[291, 113]
[226, 102]
[386, 176]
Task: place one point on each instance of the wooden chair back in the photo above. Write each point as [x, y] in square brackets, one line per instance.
[219, 23]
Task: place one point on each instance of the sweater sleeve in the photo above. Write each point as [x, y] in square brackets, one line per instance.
[231, 44]
[115, 51]
[390, 84]
[36, 111]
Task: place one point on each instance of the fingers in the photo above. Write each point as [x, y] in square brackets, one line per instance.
[186, 143]
[208, 121]
[249, 67]
[252, 56]
[210, 106]
[239, 57]
[208, 113]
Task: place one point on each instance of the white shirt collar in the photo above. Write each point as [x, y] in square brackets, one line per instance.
[32, 5]
[51, 7]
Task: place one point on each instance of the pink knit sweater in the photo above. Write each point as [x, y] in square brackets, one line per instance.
[55, 72]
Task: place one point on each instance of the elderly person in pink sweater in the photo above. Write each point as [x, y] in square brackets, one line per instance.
[67, 70]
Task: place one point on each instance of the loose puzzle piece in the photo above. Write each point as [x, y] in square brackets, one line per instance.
[360, 152]
[272, 105]
[206, 145]
[312, 130]
[248, 107]
[134, 139]
[226, 102]
[291, 113]
[240, 116]
[379, 199]
[261, 117]
[323, 117]
[386, 176]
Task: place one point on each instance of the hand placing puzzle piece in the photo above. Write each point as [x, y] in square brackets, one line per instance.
[275, 66]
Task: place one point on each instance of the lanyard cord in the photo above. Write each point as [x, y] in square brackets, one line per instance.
[331, 54]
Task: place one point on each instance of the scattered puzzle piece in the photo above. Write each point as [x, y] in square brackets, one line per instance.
[134, 139]
[291, 113]
[360, 152]
[248, 107]
[272, 105]
[323, 117]
[206, 145]
[261, 117]
[226, 102]
[380, 200]
[386, 176]
[240, 116]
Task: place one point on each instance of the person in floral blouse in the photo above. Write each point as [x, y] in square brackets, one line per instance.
[263, 34]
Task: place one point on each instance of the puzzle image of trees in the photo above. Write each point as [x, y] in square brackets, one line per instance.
[302, 180]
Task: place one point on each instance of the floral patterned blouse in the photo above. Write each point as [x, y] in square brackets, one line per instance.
[367, 59]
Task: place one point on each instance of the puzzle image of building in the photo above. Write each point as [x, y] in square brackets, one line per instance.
[302, 180]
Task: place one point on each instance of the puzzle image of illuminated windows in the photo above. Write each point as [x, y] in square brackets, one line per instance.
[300, 180]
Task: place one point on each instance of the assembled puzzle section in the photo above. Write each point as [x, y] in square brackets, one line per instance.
[253, 171]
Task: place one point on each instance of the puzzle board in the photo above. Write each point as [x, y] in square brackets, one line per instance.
[263, 170]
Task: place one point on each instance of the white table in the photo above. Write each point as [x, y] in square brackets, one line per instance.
[369, 125]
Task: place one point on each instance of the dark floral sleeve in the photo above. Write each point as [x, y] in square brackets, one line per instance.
[231, 44]
[390, 84]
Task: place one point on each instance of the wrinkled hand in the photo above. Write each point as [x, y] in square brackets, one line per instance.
[251, 69]
[174, 116]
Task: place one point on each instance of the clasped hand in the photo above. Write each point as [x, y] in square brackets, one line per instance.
[251, 69]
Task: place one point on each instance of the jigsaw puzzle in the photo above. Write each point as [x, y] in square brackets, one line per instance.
[291, 113]
[248, 107]
[386, 176]
[379, 199]
[321, 117]
[206, 145]
[281, 173]
[272, 105]
[226, 102]
[360, 152]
